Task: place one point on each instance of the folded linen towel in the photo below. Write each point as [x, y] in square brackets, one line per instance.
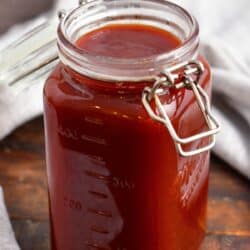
[7, 238]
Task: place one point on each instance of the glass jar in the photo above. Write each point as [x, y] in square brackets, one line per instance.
[128, 139]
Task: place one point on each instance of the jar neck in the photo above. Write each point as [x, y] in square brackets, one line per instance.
[100, 13]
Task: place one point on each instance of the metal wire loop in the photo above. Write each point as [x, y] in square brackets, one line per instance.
[160, 83]
[190, 77]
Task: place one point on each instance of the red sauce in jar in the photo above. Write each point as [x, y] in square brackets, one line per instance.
[115, 179]
[128, 41]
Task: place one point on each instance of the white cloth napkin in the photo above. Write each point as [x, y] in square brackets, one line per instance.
[7, 238]
[225, 38]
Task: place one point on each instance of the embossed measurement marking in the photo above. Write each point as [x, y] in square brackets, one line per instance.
[98, 194]
[115, 181]
[73, 204]
[99, 229]
[100, 212]
[76, 135]
[97, 246]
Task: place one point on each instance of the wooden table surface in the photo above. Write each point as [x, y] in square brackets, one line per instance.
[22, 175]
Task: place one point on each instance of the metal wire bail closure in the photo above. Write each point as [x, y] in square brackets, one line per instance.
[191, 73]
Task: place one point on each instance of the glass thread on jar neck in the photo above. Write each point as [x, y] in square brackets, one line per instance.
[97, 14]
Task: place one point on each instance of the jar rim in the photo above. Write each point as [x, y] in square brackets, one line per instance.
[72, 51]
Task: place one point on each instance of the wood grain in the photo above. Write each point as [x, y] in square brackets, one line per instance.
[225, 242]
[32, 235]
[22, 174]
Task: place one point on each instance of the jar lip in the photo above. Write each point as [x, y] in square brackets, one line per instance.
[65, 42]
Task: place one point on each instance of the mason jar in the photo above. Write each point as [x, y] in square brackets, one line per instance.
[128, 128]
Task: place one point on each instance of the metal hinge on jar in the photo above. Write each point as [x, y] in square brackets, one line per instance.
[190, 73]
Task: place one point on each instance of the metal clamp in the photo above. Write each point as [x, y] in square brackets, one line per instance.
[185, 75]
